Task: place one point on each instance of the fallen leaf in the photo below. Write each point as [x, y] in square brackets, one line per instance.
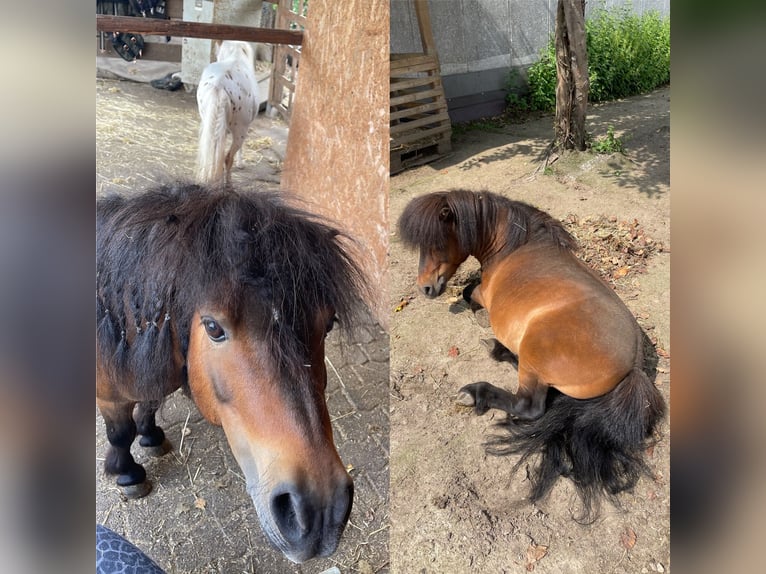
[453, 351]
[663, 353]
[200, 503]
[402, 304]
[350, 467]
[535, 552]
[620, 273]
[628, 538]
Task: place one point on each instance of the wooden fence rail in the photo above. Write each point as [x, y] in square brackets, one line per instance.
[106, 23]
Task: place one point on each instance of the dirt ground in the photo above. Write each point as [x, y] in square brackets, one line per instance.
[451, 508]
[198, 518]
[454, 508]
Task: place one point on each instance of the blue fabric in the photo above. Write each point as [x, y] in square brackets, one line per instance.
[115, 555]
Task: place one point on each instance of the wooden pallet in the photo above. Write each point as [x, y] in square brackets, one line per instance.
[420, 125]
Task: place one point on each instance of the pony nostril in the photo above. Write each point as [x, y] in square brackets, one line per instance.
[427, 290]
[290, 515]
[341, 508]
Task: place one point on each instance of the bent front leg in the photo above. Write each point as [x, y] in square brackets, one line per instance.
[528, 403]
[472, 296]
[501, 353]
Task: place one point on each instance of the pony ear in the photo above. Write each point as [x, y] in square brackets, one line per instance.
[446, 214]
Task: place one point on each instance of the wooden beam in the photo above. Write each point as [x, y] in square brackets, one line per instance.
[106, 23]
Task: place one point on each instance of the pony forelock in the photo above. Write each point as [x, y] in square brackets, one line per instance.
[163, 253]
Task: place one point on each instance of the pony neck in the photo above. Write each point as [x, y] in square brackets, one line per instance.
[494, 241]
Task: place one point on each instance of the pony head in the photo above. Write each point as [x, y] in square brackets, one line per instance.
[235, 292]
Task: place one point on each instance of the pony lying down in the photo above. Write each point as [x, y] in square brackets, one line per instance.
[583, 402]
[227, 98]
[229, 294]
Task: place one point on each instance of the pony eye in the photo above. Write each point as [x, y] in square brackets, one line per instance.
[214, 330]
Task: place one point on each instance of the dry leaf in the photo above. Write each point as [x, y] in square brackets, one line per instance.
[628, 538]
[402, 304]
[200, 503]
[620, 273]
[535, 552]
[453, 351]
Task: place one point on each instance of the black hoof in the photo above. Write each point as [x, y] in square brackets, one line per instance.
[472, 396]
[159, 450]
[134, 491]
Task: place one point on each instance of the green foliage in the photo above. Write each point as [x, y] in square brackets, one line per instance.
[542, 81]
[609, 143]
[628, 54]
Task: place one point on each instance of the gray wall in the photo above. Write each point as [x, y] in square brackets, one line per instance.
[479, 41]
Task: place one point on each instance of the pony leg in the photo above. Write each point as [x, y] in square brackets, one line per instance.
[472, 295]
[152, 436]
[528, 403]
[235, 150]
[501, 353]
[121, 431]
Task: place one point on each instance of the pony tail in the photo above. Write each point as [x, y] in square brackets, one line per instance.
[212, 134]
[598, 443]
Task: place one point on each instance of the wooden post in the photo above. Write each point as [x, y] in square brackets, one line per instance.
[338, 150]
[424, 25]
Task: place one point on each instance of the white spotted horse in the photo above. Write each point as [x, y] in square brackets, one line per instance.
[228, 99]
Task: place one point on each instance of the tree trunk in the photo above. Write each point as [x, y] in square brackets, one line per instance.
[572, 70]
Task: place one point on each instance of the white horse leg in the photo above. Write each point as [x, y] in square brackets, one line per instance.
[237, 140]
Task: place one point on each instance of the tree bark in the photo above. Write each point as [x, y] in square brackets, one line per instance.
[572, 72]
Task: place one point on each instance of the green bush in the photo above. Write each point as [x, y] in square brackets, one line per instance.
[628, 54]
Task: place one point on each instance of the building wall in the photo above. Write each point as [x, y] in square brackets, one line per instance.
[197, 52]
[480, 41]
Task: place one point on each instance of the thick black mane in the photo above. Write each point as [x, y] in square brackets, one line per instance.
[474, 218]
[163, 253]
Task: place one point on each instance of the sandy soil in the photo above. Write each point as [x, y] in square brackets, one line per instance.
[451, 507]
[198, 518]
[454, 508]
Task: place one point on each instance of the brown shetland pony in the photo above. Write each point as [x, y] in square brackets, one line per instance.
[229, 293]
[560, 324]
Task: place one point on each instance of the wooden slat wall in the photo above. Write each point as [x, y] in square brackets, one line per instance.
[420, 127]
[285, 74]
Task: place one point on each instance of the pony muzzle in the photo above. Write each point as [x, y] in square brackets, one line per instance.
[303, 510]
[308, 526]
[300, 522]
[433, 289]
